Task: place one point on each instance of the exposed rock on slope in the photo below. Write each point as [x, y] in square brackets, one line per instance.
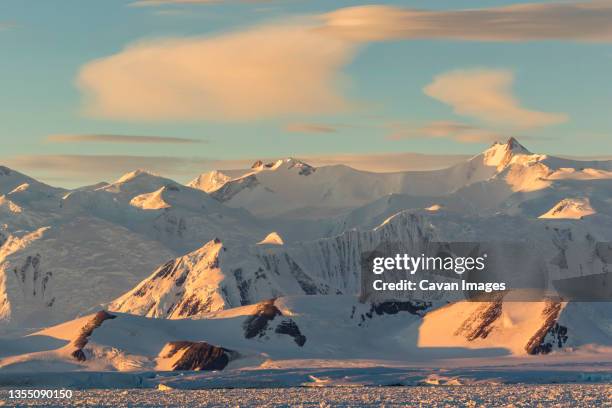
[521, 327]
[219, 276]
[551, 335]
[81, 341]
[195, 356]
[259, 324]
[60, 272]
[277, 330]
[216, 277]
[570, 208]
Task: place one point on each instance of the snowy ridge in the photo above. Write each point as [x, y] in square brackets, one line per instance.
[220, 276]
[298, 328]
[65, 253]
[216, 277]
[291, 188]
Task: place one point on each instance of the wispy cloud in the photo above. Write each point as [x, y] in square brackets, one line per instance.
[295, 68]
[452, 130]
[310, 128]
[4, 25]
[388, 162]
[87, 169]
[574, 21]
[107, 138]
[154, 3]
[486, 94]
[269, 71]
[78, 170]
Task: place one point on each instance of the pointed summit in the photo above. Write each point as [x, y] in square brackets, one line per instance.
[183, 287]
[210, 181]
[138, 182]
[514, 146]
[134, 174]
[500, 154]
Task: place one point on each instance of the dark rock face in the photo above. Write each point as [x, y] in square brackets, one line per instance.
[551, 333]
[229, 190]
[304, 169]
[3, 238]
[481, 323]
[199, 356]
[32, 270]
[166, 270]
[192, 306]
[258, 324]
[81, 341]
[244, 286]
[392, 308]
[289, 328]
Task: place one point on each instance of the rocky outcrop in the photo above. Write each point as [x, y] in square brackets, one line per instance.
[481, 324]
[392, 308]
[3, 238]
[230, 189]
[551, 333]
[290, 328]
[259, 324]
[81, 341]
[197, 356]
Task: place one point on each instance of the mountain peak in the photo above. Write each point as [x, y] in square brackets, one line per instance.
[286, 163]
[134, 174]
[515, 146]
[187, 286]
[272, 238]
[500, 154]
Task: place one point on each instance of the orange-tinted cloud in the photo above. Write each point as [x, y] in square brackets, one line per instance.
[103, 138]
[309, 128]
[486, 94]
[264, 72]
[575, 21]
[296, 69]
[444, 129]
[153, 3]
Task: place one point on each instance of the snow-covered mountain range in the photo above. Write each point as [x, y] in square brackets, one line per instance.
[206, 260]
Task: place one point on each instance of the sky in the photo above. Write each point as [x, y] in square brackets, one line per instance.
[90, 89]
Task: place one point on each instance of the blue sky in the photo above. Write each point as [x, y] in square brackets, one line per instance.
[64, 66]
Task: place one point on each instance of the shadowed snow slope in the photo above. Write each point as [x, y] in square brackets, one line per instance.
[318, 327]
[63, 253]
